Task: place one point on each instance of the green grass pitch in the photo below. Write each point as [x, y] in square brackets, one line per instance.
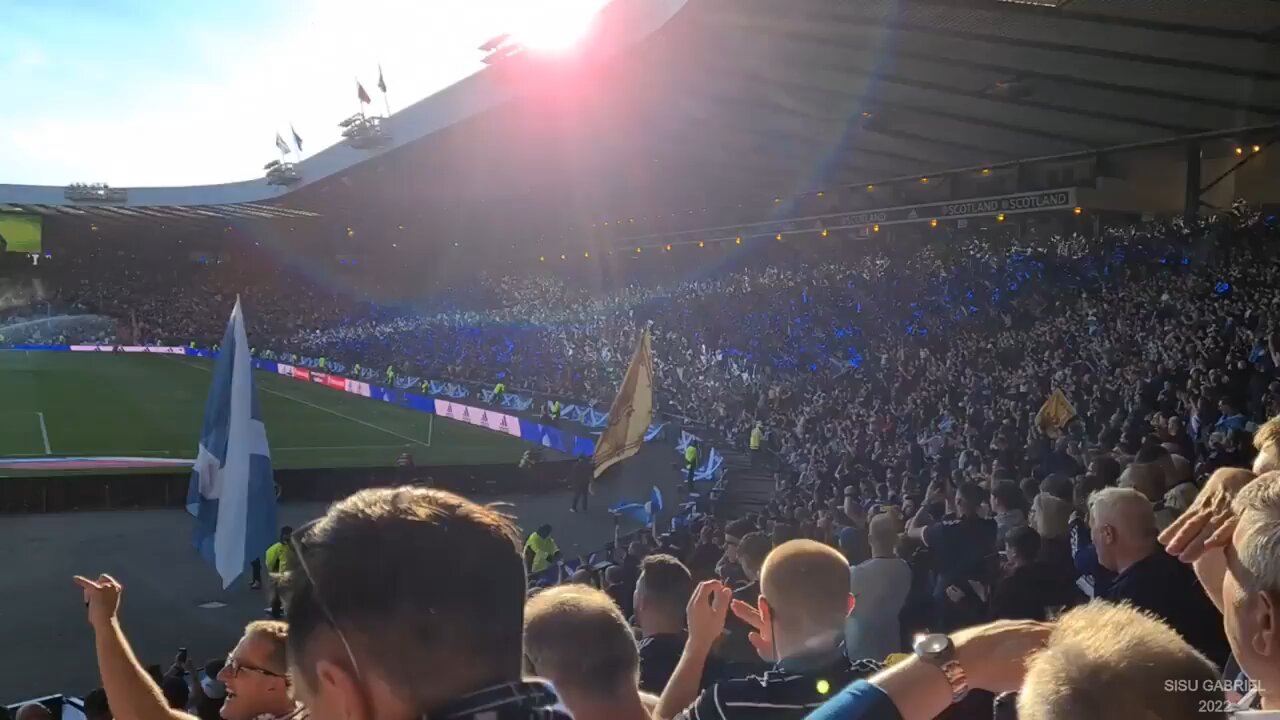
[152, 406]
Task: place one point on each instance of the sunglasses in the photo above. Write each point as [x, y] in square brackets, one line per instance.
[234, 667]
[296, 543]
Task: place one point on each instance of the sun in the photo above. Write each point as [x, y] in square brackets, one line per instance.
[552, 25]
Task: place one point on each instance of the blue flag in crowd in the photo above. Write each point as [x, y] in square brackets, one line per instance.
[232, 495]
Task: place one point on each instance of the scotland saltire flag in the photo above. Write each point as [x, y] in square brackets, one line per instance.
[232, 495]
[644, 513]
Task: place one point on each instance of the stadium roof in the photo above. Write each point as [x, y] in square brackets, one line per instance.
[736, 102]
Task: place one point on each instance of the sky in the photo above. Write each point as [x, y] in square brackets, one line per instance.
[185, 92]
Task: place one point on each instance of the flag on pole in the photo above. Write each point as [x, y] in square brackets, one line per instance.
[631, 412]
[232, 494]
[297, 139]
[1055, 414]
[382, 84]
[360, 93]
[280, 143]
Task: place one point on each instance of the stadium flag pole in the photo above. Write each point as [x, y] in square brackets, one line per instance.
[382, 85]
[231, 494]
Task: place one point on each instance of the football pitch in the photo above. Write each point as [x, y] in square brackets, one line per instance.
[137, 405]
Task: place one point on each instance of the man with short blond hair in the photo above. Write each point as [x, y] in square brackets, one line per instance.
[798, 625]
[1113, 662]
[256, 674]
[576, 637]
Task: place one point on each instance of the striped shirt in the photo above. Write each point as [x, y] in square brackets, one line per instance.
[791, 690]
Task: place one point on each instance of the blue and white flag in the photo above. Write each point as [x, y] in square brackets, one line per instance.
[232, 494]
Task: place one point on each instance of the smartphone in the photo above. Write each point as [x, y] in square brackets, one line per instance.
[182, 655]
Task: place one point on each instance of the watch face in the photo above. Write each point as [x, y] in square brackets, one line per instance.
[932, 644]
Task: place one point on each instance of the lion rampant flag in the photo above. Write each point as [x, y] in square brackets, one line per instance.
[1054, 415]
[631, 412]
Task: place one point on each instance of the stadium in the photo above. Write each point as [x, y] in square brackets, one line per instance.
[911, 327]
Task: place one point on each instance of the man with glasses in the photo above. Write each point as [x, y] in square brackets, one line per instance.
[408, 603]
[255, 674]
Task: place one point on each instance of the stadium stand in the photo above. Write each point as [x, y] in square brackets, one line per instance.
[1021, 466]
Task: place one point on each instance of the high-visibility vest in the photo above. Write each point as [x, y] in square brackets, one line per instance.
[555, 409]
[757, 437]
[691, 455]
[322, 363]
[499, 389]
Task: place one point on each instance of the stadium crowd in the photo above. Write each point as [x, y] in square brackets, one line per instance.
[1042, 468]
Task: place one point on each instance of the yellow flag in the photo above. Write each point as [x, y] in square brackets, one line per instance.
[1055, 414]
[631, 412]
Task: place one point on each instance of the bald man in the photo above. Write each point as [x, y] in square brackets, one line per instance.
[33, 711]
[1122, 524]
[798, 621]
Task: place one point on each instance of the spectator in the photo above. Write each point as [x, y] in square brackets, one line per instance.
[961, 547]
[1031, 589]
[256, 677]
[752, 551]
[1050, 518]
[799, 625]
[1009, 506]
[661, 595]
[1123, 529]
[575, 637]
[879, 586]
[617, 590]
[33, 711]
[728, 569]
[96, 706]
[1113, 662]
[361, 652]
[1234, 555]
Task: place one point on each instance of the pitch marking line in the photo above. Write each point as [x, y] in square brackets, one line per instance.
[300, 401]
[44, 433]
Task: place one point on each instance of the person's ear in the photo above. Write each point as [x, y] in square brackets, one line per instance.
[1265, 641]
[766, 611]
[337, 687]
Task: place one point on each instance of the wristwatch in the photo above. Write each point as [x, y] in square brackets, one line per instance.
[938, 650]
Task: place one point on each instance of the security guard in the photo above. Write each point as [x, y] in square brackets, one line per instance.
[498, 391]
[323, 362]
[691, 462]
[555, 411]
[425, 387]
[540, 550]
[356, 370]
[757, 442]
[391, 375]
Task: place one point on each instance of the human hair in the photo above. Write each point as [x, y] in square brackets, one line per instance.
[753, 548]
[883, 533]
[667, 584]
[1258, 508]
[1050, 515]
[1030, 488]
[1024, 542]
[577, 638]
[96, 706]
[421, 583]
[276, 634]
[739, 528]
[1268, 436]
[1009, 495]
[973, 495]
[1057, 485]
[1124, 507]
[1150, 453]
[807, 585]
[1108, 469]
[1113, 662]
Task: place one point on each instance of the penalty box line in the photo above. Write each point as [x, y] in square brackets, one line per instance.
[300, 401]
[44, 431]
